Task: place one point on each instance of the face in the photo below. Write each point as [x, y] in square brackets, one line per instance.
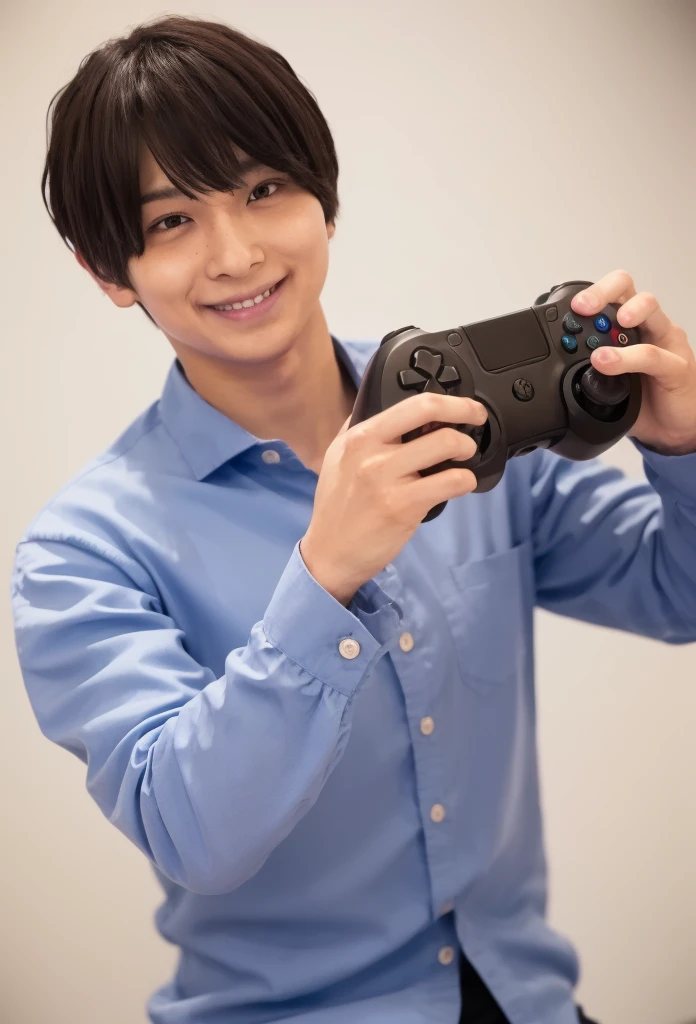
[224, 247]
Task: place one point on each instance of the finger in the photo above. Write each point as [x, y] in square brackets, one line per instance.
[644, 311]
[616, 286]
[419, 410]
[345, 425]
[431, 448]
[667, 368]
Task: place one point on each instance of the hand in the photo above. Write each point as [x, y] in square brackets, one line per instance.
[667, 418]
[370, 497]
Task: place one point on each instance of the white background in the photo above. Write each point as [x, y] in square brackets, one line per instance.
[486, 152]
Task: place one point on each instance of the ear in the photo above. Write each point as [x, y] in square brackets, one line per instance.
[122, 297]
[331, 229]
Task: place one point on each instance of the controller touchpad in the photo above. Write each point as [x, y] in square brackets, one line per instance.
[507, 340]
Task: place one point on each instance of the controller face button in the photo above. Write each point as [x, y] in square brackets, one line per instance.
[449, 376]
[593, 342]
[523, 389]
[427, 373]
[571, 325]
[551, 314]
[410, 380]
[603, 324]
[454, 339]
[569, 343]
[619, 337]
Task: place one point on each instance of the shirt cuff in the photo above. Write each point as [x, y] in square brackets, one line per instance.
[676, 471]
[307, 624]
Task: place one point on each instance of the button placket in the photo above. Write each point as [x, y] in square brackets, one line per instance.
[429, 764]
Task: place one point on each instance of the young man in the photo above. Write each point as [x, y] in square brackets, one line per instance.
[312, 714]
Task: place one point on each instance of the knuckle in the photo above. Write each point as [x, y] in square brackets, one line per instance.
[391, 504]
[653, 357]
[467, 480]
[462, 444]
[366, 470]
[431, 404]
[356, 438]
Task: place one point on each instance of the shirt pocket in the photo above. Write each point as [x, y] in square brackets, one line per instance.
[489, 607]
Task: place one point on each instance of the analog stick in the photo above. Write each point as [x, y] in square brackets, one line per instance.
[600, 389]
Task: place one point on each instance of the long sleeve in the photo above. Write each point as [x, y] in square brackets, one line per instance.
[205, 775]
[618, 552]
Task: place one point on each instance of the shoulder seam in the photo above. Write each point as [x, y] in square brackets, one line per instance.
[103, 550]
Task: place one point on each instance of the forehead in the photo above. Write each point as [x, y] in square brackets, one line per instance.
[151, 175]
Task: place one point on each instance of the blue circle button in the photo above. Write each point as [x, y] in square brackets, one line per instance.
[603, 324]
[569, 343]
[593, 342]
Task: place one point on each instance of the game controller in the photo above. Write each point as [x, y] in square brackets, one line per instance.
[530, 369]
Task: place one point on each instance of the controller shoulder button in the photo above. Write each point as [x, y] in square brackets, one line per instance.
[393, 334]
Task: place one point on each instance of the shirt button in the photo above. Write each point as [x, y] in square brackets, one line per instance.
[406, 642]
[446, 955]
[437, 813]
[270, 456]
[427, 725]
[349, 648]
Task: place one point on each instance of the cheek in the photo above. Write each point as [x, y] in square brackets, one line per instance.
[302, 234]
[163, 277]
[308, 247]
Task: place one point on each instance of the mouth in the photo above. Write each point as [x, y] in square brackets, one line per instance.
[254, 309]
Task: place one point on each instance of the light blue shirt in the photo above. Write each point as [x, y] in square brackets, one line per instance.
[330, 820]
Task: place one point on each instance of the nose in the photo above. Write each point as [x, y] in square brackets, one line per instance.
[230, 248]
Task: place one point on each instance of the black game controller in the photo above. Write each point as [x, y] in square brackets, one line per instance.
[530, 369]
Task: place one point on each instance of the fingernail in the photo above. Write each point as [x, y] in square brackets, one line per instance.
[607, 356]
[585, 298]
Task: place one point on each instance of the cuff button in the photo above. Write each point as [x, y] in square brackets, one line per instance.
[349, 648]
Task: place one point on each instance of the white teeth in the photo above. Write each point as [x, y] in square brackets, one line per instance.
[249, 302]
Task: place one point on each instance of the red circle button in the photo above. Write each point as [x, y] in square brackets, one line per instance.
[618, 336]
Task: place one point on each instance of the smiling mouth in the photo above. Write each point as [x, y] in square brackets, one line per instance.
[250, 310]
[248, 303]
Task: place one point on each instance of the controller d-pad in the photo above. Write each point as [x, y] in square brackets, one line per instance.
[428, 374]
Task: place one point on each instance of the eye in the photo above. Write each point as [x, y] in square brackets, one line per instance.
[266, 184]
[166, 222]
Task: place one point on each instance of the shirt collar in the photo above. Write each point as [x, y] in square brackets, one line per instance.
[205, 436]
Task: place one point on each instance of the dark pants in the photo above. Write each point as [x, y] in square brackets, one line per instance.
[479, 1006]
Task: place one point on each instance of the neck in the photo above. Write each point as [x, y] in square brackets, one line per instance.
[298, 394]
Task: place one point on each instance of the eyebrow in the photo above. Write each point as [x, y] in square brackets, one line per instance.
[247, 165]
